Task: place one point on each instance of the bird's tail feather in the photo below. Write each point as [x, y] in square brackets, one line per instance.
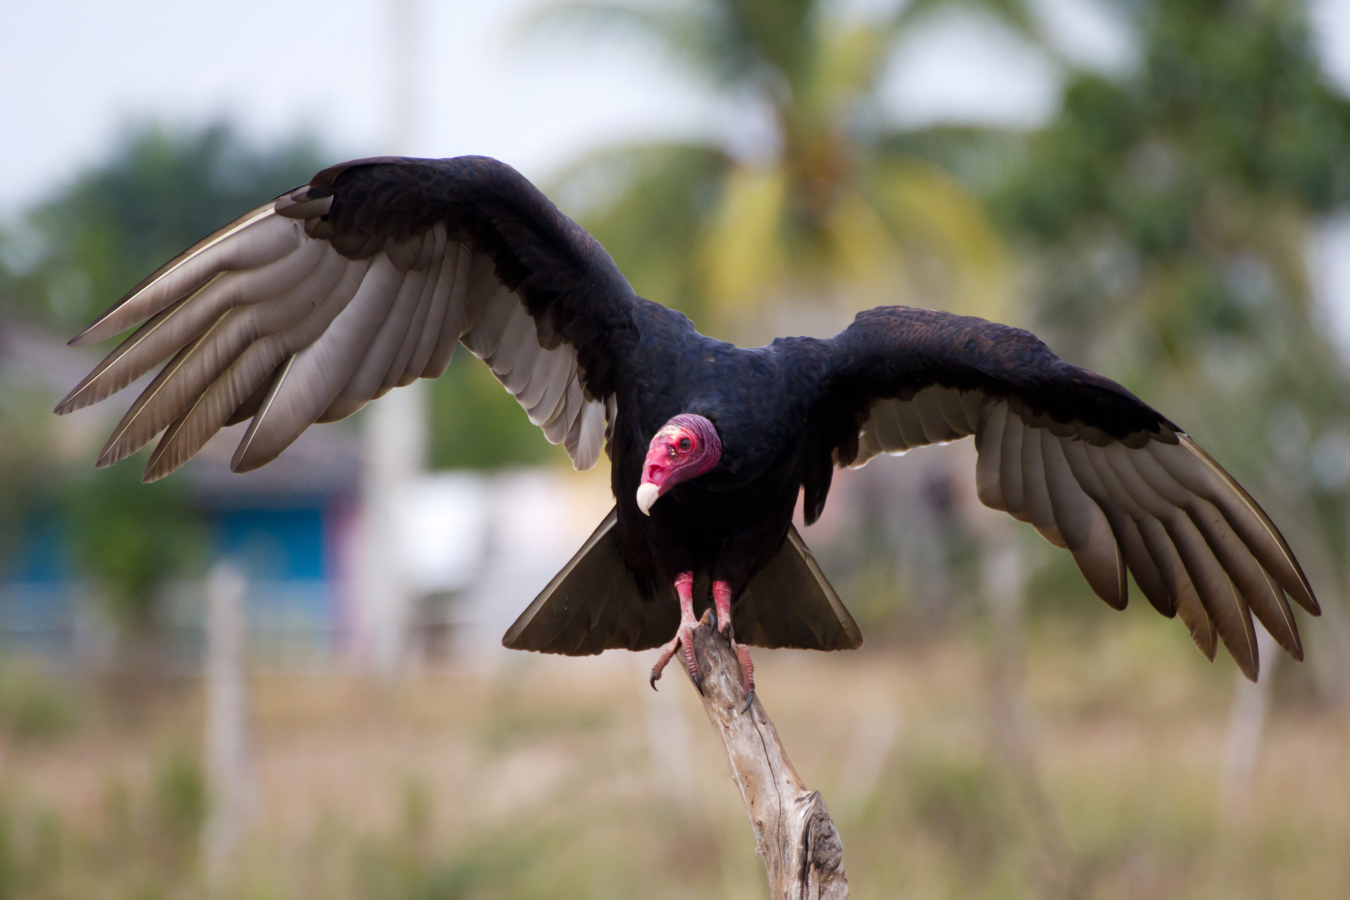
[595, 603]
[789, 603]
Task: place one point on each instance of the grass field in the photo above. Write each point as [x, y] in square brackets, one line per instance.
[568, 778]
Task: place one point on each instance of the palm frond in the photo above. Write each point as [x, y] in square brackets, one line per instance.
[649, 205]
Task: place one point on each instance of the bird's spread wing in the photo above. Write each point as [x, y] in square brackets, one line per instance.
[365, 279]
[1094, 469]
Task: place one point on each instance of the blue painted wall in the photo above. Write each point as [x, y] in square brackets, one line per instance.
[276, 545]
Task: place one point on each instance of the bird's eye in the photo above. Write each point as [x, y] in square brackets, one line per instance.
[685, 444]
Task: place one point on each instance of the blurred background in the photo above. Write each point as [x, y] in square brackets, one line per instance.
[290, 684]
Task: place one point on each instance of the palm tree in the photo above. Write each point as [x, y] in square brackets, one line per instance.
[833, 213]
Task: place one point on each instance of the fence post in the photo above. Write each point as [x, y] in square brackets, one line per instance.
[227, 770]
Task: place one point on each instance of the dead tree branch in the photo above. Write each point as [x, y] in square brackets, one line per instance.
[794, 835]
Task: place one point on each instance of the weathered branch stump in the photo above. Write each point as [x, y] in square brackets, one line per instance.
[794, 835]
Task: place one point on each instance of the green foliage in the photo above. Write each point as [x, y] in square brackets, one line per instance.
[475, 423]
[32, 848]
[179, 804]
[961, 804]
[405, 867]
[649, 207]
[33, 706]
[830, 207]
[29, 476]
[130, 536]
[1230, 107]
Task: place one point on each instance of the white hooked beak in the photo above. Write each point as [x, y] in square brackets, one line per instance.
[646, 496]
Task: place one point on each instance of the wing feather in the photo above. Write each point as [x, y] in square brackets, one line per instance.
[973, 403]
[1226, 607]
[256, 366]
[947, 404]
[868, 444]
[416, 327]
[180, 383]
[555, 390]
[487, 306]
[392, 327]
[1082, 460]
[911, 427]
[442, 283]
[1190, 608]
[886, 428]
[516, 334]
[1010, 467]
[989, 455]
[403, 372]
[586, 438]
[1039, 510]
[569, 406]
[485, 334]
[251, 241]
[1194, 469]
[1246, 575]
[1158, 541]
[456, 310]
[1083, 526]
[1123, 527]
[545, 363]
[319, 371]
[173, 328]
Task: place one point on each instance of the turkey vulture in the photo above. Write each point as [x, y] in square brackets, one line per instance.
[366, 278]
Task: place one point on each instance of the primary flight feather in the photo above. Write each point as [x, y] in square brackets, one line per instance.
[367, 278]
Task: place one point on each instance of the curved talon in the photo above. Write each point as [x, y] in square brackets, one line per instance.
[683, 640]
[747, 670]
[749, 701]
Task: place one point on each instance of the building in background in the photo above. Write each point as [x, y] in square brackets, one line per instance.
[472, 548]
[289, 526]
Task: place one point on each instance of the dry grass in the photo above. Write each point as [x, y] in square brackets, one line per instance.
[566, 778]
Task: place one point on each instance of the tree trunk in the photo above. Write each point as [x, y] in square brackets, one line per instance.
[793, 832]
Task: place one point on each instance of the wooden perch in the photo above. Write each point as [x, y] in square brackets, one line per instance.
[793, 832]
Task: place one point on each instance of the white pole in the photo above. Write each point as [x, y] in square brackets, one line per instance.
[395, 425]
[227, 764]
[1246, 727]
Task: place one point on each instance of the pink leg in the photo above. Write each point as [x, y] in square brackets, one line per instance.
[684, 588]
[722, 602]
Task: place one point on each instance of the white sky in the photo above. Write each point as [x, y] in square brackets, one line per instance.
[76, 71]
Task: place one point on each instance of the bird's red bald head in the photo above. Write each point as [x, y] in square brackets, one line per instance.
[684, 448]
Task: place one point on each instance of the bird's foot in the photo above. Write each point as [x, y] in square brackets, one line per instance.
[684, 636]
[722, 604]
[684, 639]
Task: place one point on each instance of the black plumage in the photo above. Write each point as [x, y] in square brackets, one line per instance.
[369, 276]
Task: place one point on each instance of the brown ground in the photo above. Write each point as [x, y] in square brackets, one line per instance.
[564, 778]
